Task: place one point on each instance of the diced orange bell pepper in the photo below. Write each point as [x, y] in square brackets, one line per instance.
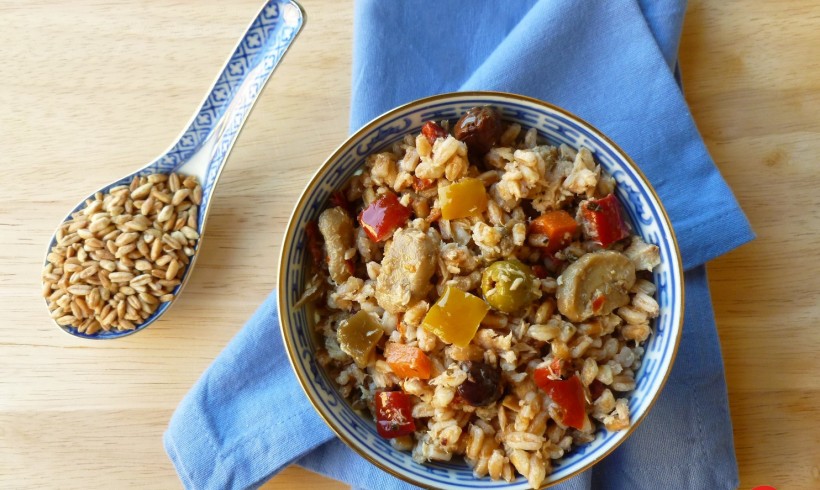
[558, 226]
[358, 336]
[462, 199]
[455, 316]
[432, 131]
[407, 361]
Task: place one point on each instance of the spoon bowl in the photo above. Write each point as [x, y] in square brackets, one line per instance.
[202, 149]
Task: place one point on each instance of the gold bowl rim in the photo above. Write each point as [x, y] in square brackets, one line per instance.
[288, 237]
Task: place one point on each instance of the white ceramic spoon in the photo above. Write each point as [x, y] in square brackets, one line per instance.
[203, 147]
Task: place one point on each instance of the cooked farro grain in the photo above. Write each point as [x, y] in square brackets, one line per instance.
[123, 254]
[556, 306]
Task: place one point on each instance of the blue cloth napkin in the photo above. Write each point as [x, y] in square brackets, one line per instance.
[612, 63]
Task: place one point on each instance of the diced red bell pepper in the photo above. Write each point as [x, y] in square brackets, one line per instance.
[567, 393]
[596, 389]
[603, 221]
[433, 131]
[383, 216]
[314, 243]
[558, 226]
[394, 414]
[598, 302]
[338, 199]
[422, 184]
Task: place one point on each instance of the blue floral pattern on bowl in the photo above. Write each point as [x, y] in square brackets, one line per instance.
[557, 126]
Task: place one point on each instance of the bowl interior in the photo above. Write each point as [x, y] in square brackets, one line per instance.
[557, 126]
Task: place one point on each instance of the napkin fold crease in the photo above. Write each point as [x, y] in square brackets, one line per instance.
[612, 63]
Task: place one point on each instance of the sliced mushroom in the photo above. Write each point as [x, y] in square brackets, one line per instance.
[336, 227]
[595, 284]
[407, 267]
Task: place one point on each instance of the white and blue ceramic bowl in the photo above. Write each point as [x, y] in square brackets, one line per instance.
[557, 126]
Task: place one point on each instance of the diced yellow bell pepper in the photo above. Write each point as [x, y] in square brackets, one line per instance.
[455, 316]
[462, 199]
[358, 335]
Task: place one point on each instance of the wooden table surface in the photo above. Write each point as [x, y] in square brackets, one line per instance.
[91, 89]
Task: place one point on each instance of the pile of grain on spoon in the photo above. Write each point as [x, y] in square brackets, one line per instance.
[118, 258]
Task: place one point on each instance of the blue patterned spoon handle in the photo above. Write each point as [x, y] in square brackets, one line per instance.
[203, 147]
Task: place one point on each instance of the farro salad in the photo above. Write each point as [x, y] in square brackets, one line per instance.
[479, 293]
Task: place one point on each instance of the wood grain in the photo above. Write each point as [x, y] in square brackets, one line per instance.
[92, 89]
[752, 78]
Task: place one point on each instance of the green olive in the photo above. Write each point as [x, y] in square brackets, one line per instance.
[502, 288]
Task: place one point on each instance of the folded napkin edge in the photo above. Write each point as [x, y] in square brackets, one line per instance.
[696, 237]
[222, 465]
[171, 450]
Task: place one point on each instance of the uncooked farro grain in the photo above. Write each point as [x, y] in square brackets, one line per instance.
[104, 272]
